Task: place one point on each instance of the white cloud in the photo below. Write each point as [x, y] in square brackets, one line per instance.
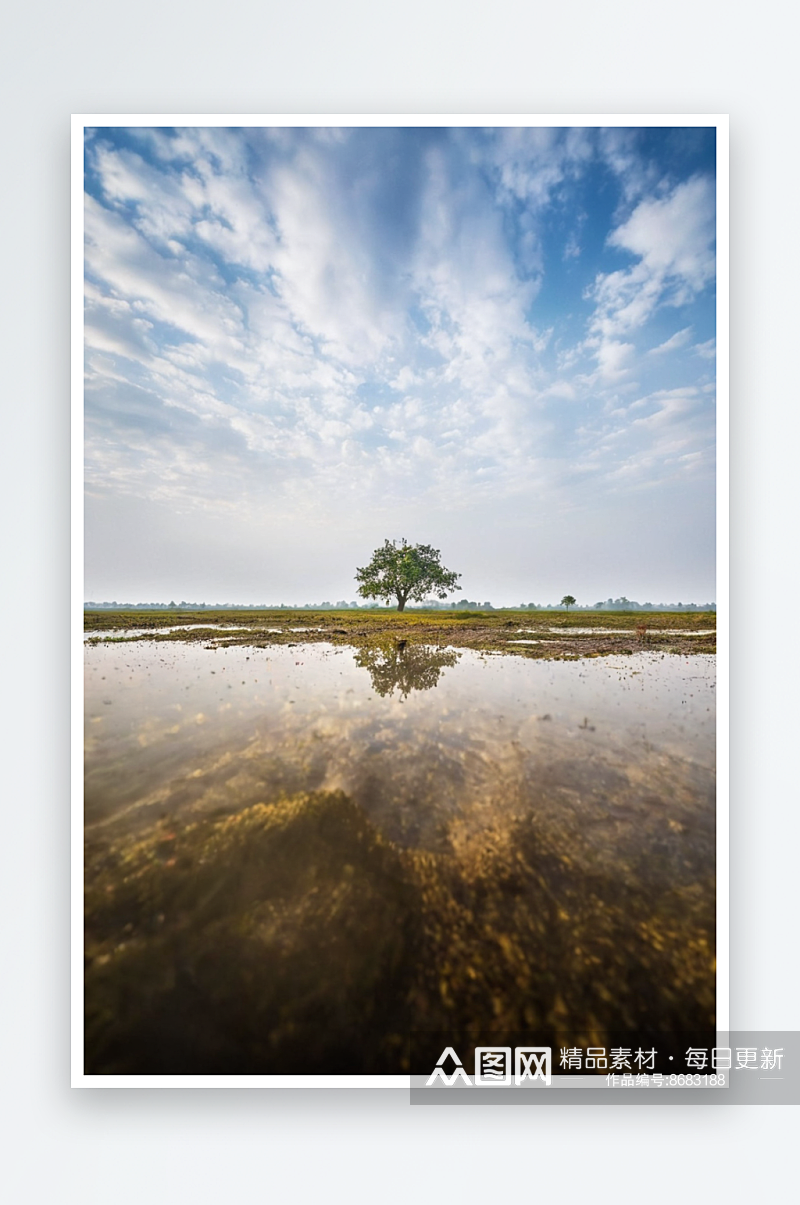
[531, 163]
[572, 247]
[263, 330]
[679, 339]
[613, 359]
[618, 148]
[674, 236]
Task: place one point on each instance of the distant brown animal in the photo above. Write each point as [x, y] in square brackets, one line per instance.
[641, 632]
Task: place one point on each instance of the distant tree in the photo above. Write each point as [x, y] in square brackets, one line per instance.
[568, 601]
[406, 572]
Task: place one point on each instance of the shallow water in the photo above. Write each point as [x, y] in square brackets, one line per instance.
[172, 725]
[114, 634]
[570, 631]
[553, 820]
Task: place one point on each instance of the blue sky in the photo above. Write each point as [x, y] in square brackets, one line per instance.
[497, 341]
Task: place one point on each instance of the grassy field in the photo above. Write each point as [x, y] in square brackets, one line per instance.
[544, 633]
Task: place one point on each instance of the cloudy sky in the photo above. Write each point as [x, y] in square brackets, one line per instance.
[497, 341]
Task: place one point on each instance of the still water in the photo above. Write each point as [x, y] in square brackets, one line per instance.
[364, 842]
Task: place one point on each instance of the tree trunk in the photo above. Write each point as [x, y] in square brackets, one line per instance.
[401, 604]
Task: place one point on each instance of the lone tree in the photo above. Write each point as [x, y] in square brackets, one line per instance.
[568, 601]
[406, 572]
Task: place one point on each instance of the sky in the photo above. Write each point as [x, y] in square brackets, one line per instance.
[302, 342]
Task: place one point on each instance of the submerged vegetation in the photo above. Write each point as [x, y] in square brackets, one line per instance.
[292, 936]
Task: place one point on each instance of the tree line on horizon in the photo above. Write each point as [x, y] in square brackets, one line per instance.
[463, 604]
[403, 573]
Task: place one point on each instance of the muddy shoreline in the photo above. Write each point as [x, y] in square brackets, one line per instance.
[538, 634]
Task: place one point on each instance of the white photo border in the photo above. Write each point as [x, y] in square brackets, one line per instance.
[82, 122]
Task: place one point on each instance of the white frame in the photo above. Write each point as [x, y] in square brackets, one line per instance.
[79, 123]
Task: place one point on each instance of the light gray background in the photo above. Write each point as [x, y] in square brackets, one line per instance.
[418, 56]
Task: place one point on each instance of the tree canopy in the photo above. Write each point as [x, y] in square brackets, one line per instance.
[568, 601]
[406, 572]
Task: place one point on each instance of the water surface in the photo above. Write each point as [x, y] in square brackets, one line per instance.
[552, 820]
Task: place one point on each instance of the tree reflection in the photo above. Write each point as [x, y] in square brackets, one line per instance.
[404, 667]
